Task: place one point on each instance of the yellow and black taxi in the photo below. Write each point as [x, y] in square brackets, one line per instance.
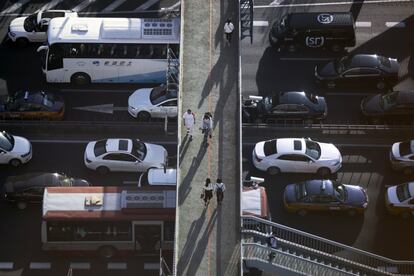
[324, 195]
[399, 200]
[29, 105]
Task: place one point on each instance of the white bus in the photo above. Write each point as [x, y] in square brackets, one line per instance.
[83, 50]
[108, 220]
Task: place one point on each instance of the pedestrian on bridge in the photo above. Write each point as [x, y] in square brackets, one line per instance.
[207, 192]
[228, 30]
[219, 188]
[189, 122]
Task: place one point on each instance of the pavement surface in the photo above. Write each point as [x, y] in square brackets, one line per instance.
[207, 238]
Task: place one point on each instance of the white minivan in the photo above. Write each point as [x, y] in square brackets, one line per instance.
[158, 177]
[33, 28]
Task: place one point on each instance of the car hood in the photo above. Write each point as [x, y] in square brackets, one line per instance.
[140, 97]
[371, 104]
[21, 145]
[259, 150]
[289, 195]
[327, 70]
[89, 152]
[16, 25]
[394, 67]
[329, 152]
[156, 154]
[395, 150]
[392, 195]
[356, 195]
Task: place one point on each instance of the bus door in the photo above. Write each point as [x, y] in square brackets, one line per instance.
[147, 237]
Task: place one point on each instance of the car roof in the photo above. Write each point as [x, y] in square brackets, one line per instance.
[288, 145]
[296, 97]
[24, 181]
[315, 187]
[309, 20]
[33, 96]
[118, 145]
[364, 60]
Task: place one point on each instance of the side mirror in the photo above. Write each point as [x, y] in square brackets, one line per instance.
[42, 48]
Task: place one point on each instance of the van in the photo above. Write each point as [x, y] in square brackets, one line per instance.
[158, 177]
[325, 30]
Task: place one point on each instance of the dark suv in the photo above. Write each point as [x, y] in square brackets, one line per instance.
[330, 30]
[292, 105]
[29, 188]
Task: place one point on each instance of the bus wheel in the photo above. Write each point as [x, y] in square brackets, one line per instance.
[22, 42]
[80, 79]
[144, 116]
[107, 252]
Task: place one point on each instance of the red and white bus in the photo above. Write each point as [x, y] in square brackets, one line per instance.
[108, 220]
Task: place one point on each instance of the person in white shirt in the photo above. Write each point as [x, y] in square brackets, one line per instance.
[219, 188]
[207, 192]
[228, 30]
[189, 121]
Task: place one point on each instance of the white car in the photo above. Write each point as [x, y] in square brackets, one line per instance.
[299, 155]
[157, 102]
[33, 28]
[124, 155]
[14, 150]
[402, 157]
[399, 200]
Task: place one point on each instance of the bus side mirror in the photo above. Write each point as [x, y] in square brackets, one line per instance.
[42, 48]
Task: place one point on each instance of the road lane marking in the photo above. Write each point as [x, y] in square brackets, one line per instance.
[83, 266]
[49, 5]
[342, 145]
[40, 141]
[113, 5]
[331, 4]
[348, 94]
[260, 23]
[127, 182]
[117, 266]
[395, 24]
[6, 265]
[151, 266]
[102, 108]
[36, 265]
[146, 5]
[83, 5]
[15, 6]
[363, 24]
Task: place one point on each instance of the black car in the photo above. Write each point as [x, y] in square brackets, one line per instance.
[324, 195]
[28, 188]
[314, 30]
[397, 105]
[359, 69]
[292, 105]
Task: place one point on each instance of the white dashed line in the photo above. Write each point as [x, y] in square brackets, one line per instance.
[117, 266]
[330, 4]
[126, 182]
[362, 24]
[83, 266]
[6, 265]
[260, 23]
[35, 265]
[151, 266]
[395, 24]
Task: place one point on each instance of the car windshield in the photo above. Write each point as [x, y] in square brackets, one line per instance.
[65, 181]
[161, 94]
[30, 23]
[405, 148]
[139, 150]
[100, 148]
[6, 141]
[403, 192]
[387, 101]
[47, 100]
[301, 191]
[313, 149]
[384, 61]
[340, 192]
[342, 64]
[267, 103]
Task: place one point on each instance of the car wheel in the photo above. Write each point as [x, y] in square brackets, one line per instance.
[381, 85]
[352, 213]
[107, 252]
[273, 170]
[21, 205]
[144, 116]
[302, 212]
[408, 171]
[405, 215]
[330, 84]
[80, 79]
[22, 42]
[324, 172]
[102, 170]
[15, 162]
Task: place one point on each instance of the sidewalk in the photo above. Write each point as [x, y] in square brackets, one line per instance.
[208, 239]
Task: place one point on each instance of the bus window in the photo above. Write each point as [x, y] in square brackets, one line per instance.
[55, 60]
[145, 51]
[169, 230]
[159, 51]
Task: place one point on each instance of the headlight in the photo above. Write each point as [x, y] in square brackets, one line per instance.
[131, 107]
[336, 163]
[365, 205]
[26, 154]
[12, 34]
[87, 160]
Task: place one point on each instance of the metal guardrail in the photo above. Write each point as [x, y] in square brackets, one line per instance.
[326, 246]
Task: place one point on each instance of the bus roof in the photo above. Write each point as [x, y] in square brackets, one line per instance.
[254, 202]
[111, 203]
[113, 30]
